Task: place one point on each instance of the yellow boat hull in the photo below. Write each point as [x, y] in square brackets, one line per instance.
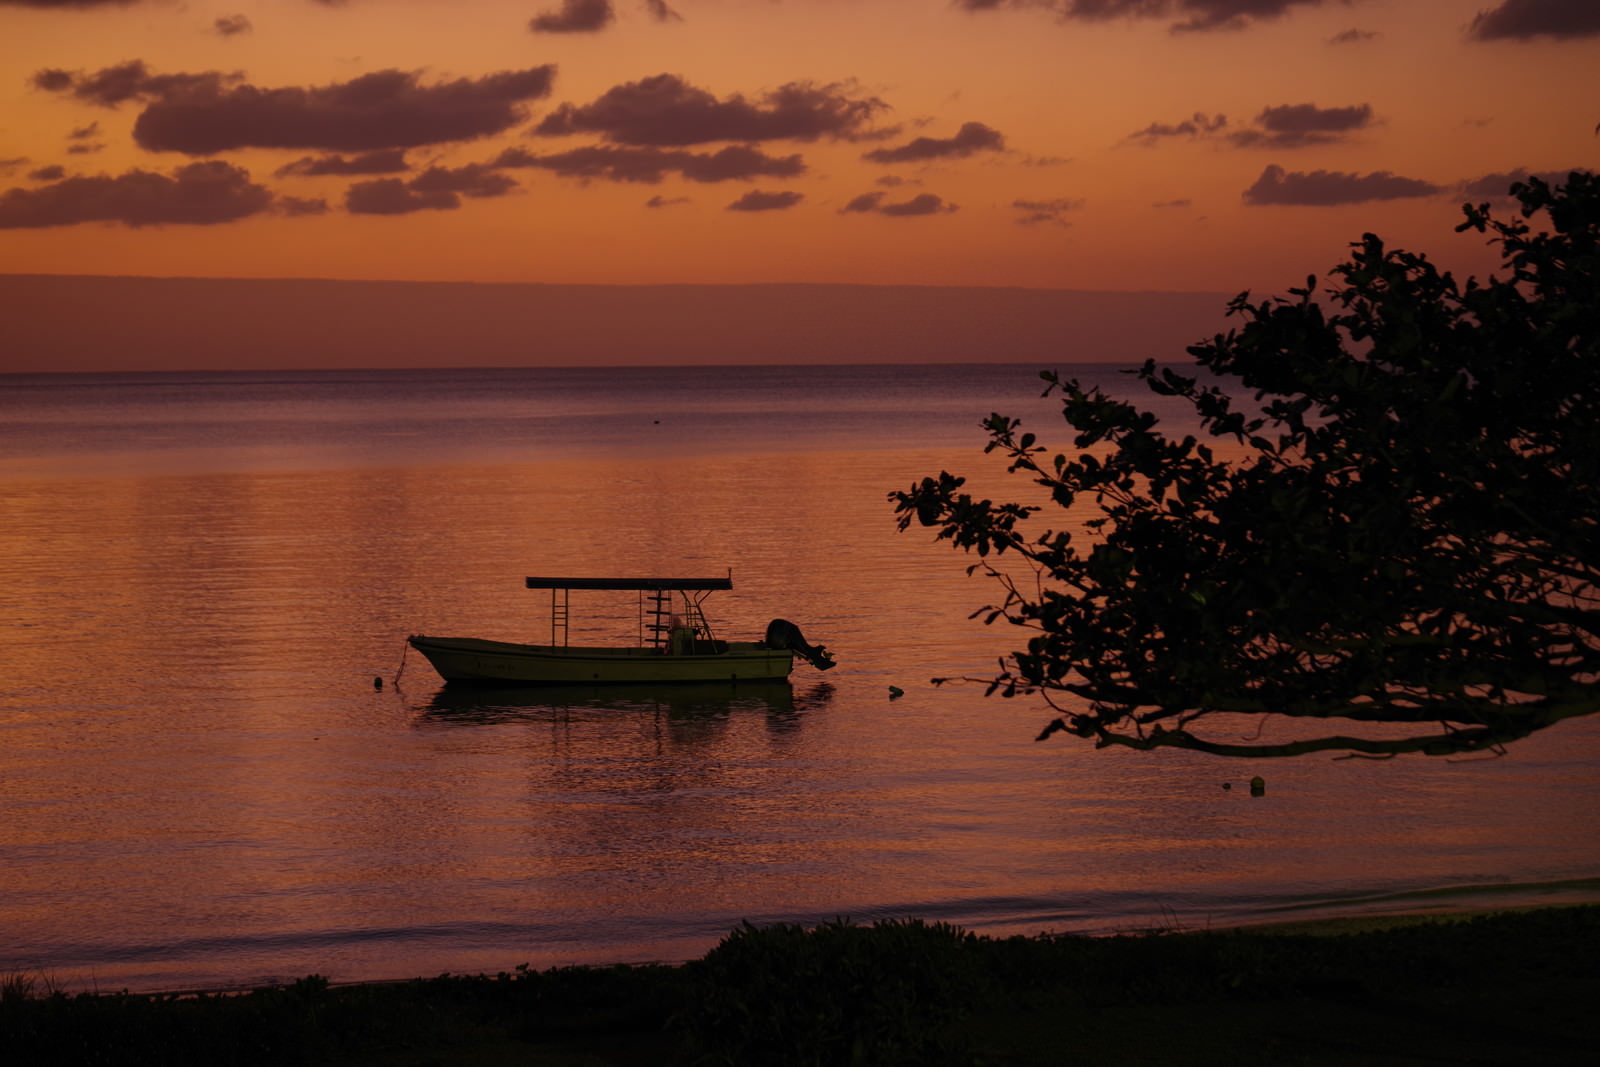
[473, 659]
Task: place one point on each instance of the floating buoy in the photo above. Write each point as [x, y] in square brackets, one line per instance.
[377, 682]
[895, 692]
[1258, 786]
[1227, 785]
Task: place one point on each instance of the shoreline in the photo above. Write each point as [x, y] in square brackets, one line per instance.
[1319, 992]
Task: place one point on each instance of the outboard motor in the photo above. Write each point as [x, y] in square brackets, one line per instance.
[781, 633]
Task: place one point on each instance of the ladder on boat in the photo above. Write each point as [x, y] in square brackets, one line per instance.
[656, 605]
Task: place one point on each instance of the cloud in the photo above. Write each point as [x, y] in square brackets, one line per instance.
[665, 110]
[1192, 14]
[1299, 125]
[736, 162]
[921, 204]
[132, 80]
[383, 161]
[575, 16]
[53, 173]
[1329, 187]
[297, 207]
[756, 200]
[1523, 20]
[9, 165]
[1045, 212]
[391, 196]
[1498, 186]
[972, 137]
[1182, 202]
[1354, 36]
[666, 201]
[202, 193]
[475, 180]
[232, 25]
[1283, 126]
[199, 114]
[58, 4]
[1197, 125]
[661, 12]
[651, 165]
[83, 133]
[435, 189]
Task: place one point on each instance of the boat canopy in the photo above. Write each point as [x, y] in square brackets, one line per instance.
[647, 585]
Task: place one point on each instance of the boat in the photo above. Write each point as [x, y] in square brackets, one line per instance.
[674, 643]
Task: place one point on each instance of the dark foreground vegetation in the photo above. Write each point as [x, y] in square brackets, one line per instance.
[1509, 988]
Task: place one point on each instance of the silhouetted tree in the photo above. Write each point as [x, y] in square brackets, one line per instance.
[1402, 538]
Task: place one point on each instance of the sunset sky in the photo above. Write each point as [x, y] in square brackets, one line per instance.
[1194, 145]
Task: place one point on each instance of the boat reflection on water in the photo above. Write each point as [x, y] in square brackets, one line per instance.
[779, 700]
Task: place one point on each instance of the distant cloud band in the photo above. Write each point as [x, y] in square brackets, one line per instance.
[201, 114]
[196, 194]
[1322, 188]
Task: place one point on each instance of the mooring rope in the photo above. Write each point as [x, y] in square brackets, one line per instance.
[405, 646]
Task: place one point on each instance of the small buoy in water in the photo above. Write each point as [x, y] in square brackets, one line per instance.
[1227, 785]
[895, 692]
[1258, 786]
[377, 682]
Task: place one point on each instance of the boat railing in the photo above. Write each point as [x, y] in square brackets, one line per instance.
[656, 602]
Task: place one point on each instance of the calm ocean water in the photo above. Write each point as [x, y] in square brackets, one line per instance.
[200, 786]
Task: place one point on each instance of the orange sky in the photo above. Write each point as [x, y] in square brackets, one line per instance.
[1195, 145]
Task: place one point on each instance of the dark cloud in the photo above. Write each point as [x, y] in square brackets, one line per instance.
[7, 166]
[650, 165]
[756, 200]
[1197, 125]
[1328, 187]
[1283, 126]
[201, 193]
[1523, 20]
[972, 137]
[66, 4]
[384, 109]
[84, 148]
[1299, 125]
[199, 114]
[435, 189]
[1191, 14]
[53, 173]
[1173, 203]
[475, 180]
[132, 80]
[921, 204]
[51, 80]
[1354, 36]
[665, 110]
[83, 133]
[1498, 186]
[383, 161]
[1045, 212]
[575, 16]
[232, 25]
[391, 196]
[666, 201]
[299, 207]
[661, 12]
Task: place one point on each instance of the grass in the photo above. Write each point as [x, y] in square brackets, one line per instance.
[1507, 988]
